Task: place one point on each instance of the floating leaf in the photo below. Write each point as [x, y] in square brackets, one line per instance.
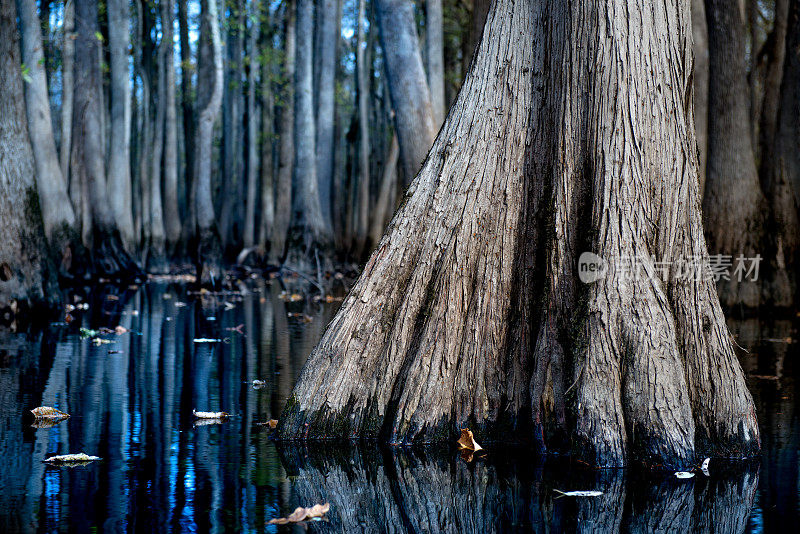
[684, 474]
[303, 514]
[206, 340]
[272, 423]
[180, 304]
[229, 305]
[119, 330]
[47, 412]
[100, 341]
[87, 332]
[584, 493]
[467, 441]
[71, 458]
[210, 415]
[258, 384]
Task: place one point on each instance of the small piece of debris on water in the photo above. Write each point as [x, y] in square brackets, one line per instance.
[684, 474]
[210, 415]
[206, 340]
[48, 412]
[704, 467]
[581, 493]
[70, 458]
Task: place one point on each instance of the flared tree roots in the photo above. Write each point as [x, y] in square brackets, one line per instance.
[479, 308]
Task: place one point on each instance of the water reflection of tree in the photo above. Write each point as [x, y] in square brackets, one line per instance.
[373, 490]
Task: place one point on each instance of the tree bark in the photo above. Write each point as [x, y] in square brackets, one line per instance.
[88, 161]
[156, 247]
[187, 109]
[27, 277]
[770, 101]
[362, 90]
[384, 205]
[172, 217]
[434, 54]
[119, 175]
[268, 136]
[252, 198]
[328, 26]
[209, 247]
[470, 313]
[700, 89]
[283, 186]
[411, 98]
[733, 196]
[310, 232]
[67, 62]
[60, 225]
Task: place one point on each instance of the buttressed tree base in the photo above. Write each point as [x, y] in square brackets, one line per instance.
[573, 132]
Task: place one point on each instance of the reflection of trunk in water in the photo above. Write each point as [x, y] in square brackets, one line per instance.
[406, 492]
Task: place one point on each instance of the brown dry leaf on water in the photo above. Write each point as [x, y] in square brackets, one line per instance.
[467, 441]
[272, 423]
[119, 330]
[303, 514]
[47, 412]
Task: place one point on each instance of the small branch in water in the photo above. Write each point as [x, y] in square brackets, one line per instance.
[304, 277]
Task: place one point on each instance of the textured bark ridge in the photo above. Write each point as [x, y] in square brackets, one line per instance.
[572, 132]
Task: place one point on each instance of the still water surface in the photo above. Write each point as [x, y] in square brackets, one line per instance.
[131, 403]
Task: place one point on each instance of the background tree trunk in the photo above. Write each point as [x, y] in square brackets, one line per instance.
[209, 100]
[252, 197]
[88, 161]
[27, 277]
[187, 109]
[434, 53]
[384, 205]
[172, 217]
[411, 98]
[120, 191]
[470, 313]
[59, 218]
[156, 247]
[283, 186]
[700, 89]
[733, 196]
[328, 36]
[267, 136]
[362, 70]
[67, 62]
[309, 228]
[770, 103]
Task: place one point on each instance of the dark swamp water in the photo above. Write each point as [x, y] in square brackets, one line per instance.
[131, 403]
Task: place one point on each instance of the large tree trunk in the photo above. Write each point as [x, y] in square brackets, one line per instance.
[470, 312]
[328, 36]
[310, 233]
[283, 185]
[187, 112]
[88, 161]
[26, 273]
[733, 196]
[209, 100]
[67, 85]
[267, 136]
[119, 175]
[411, 98]
[172, 217]
[60, 225]
[434, 53]
[700, 90]
[156, 247]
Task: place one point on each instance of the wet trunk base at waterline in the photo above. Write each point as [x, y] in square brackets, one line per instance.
[470, 312]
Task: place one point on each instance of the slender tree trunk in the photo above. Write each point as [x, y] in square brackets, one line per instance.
[480, 9]
[60, 224]
[770, 102]
[411, 98]
[27, 276]
[362, 70]
[172, 216]
[310, 232]
[782, 170]
[67, 62]
[384, 204]
[700, 80]
[267, 136]
[283, 186]
[470, 312]
[156, 248]
[119, 175]
[187, 109]
[435, 55]
[209, 247]
[252, 197]
[328, 37]
[733, 197]
[88, 162]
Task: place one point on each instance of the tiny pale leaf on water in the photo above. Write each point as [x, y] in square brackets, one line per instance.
[47, 412]
[258, 384]
[684, 474]
[71, 458]
[580, 493]
[303, 514]
[206, 340]
[210, 415]
[467, 441]
[704, 467]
